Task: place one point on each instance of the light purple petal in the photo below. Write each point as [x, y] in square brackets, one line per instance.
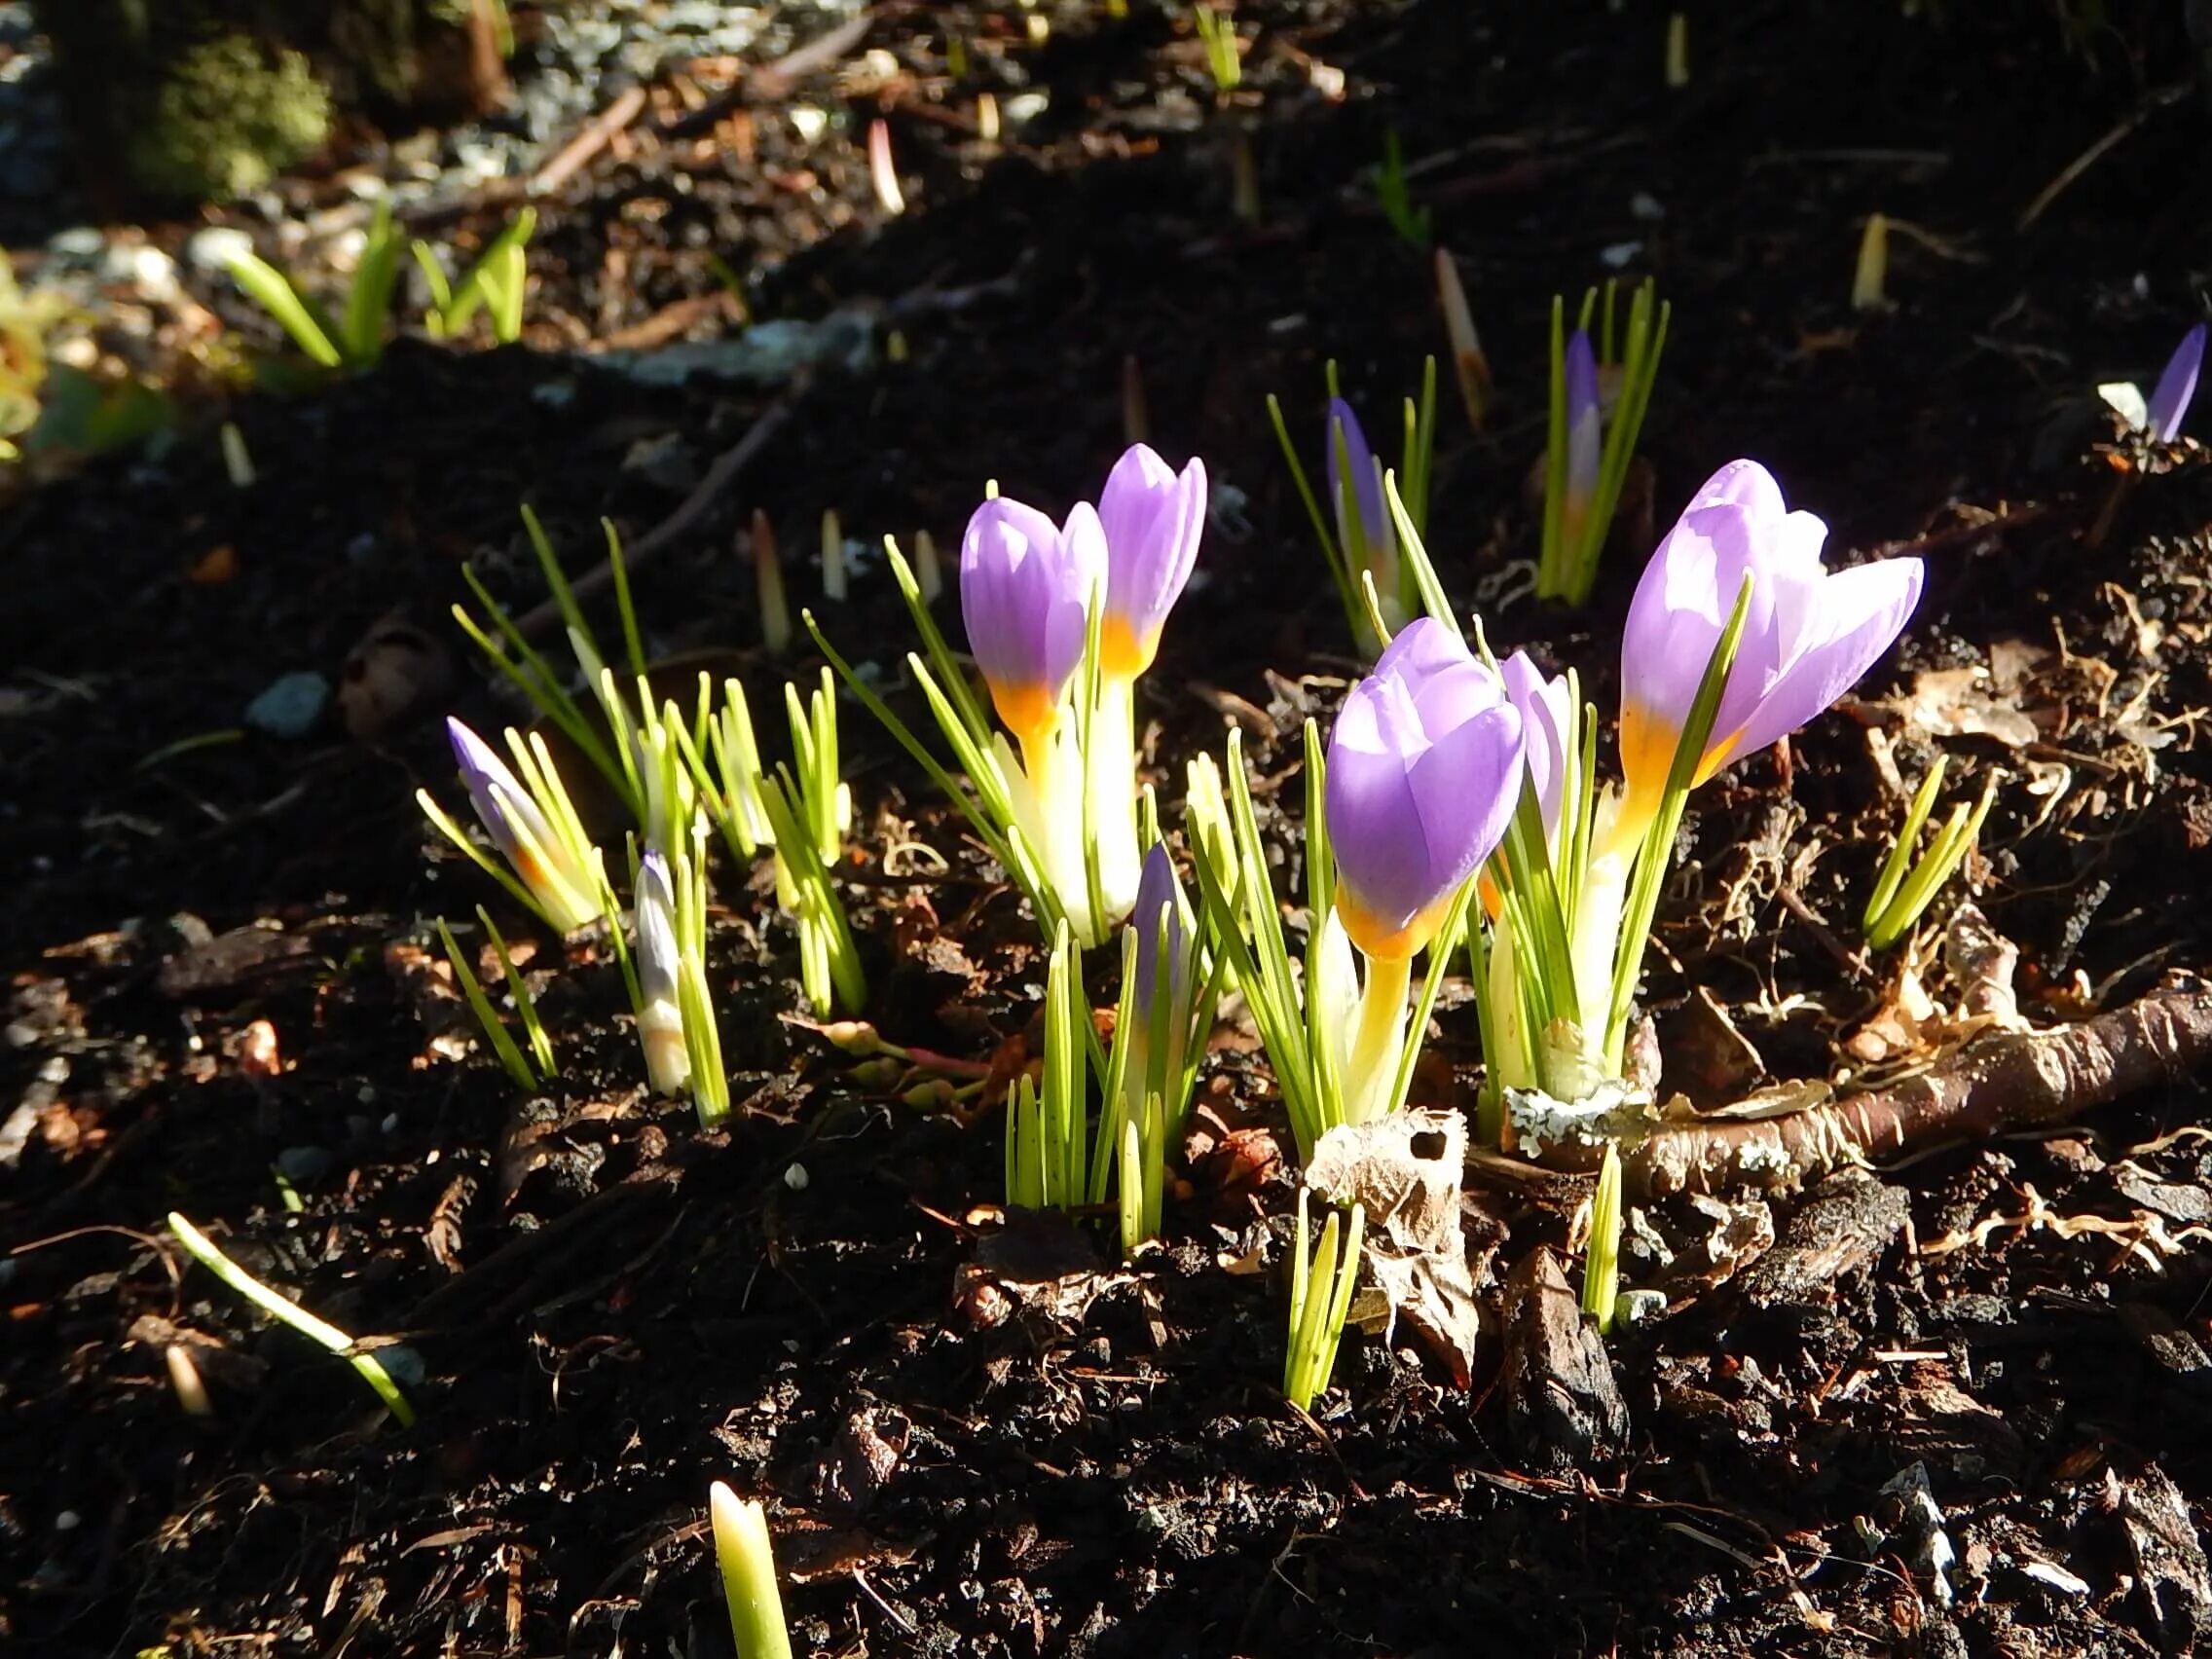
[2169, 404]
[1545, 715]
[1023, 591]
[1150, 520]
[1157, 889]
[1860, 613]
[1366, 481]
[503, 806]
[1424, 767]
[1585, 447]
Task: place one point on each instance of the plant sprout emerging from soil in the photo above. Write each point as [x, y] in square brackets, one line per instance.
[1168, 993]
[1394, 195]
[747, 1558]
[1048, 1122]
[1906, 888]
[537, 1065]
[1602, 1266]
[670, 995]
[209, 1255]
[1217, 33]
[496, 284]
[1600, 393]
[1320, 1296]
[355, 339]
[1362, 548]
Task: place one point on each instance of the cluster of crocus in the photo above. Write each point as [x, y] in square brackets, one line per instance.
[1358, 535]
[2161, 417]
[1062, 618]
[1599, 397]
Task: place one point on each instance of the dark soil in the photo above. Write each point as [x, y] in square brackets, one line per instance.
[986, 1440]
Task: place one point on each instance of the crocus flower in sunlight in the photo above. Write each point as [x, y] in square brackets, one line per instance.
[1024, 585]
[1585, 437]
[1808, 636]
[2177, 386]
[1152, 518]
[1424, 768]
[564, 889]
[1368, 537]
[660, 1018]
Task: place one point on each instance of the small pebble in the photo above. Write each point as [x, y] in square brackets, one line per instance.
[291, 707]
[304, 1165]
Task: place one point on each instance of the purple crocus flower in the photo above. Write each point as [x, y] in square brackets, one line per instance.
[1024, 586]
[660, 1018]
[1373, 530]
[1152, 518]
[1808, 637]
[1585, 442]
[1547, 718]
[522, 833]
[1158, 890]
[2169, 403]
[1424, 768]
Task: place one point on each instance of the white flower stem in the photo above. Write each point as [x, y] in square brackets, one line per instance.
[1379, 1037]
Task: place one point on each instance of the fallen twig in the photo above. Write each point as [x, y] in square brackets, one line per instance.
[589, 142]
[2011, 1081]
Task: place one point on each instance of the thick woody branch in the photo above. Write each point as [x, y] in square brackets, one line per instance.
[1999, 1084]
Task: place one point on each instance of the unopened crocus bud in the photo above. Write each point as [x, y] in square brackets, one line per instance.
[1808, 637]
[1160, 894]
[1547, 725]
[566, 889]
[1369, 539]
[1152, 517]
[1585, 442]
[2169, 403]
[1024, 585]
[660, 1016]
[1425, 769]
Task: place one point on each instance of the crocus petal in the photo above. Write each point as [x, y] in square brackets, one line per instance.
[1023, 588]
[1585, 448]
[1546, 715]
[1158, 890]
[503, 806]
[1807, 634]
[1424, 767]
[1151, 518]
[1861, 613]
[1366, 481]
[2169, 403]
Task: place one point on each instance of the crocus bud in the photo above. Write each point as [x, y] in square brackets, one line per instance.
[566, 889]
[1024, 587]
[1425, 769]
[1547, 725]
[1808, 637]
[2169, 403]
[1158, 891]
[1152, 518]
[1585, 443]
[660, 1017]
[1368, 537]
